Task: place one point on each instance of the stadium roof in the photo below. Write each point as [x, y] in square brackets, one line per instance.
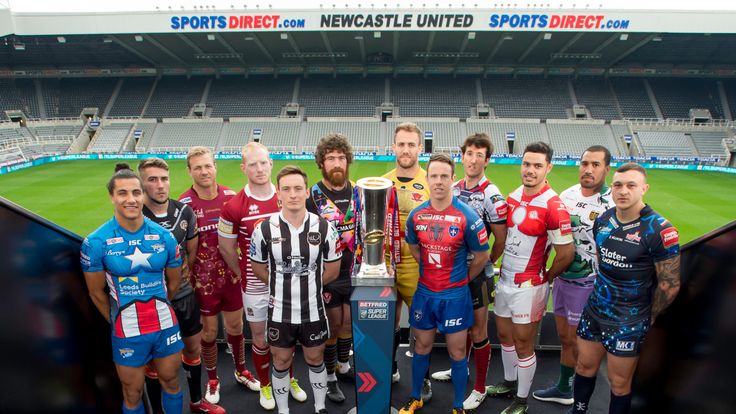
[313, 39]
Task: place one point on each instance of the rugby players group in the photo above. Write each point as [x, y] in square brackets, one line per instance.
[285, 253]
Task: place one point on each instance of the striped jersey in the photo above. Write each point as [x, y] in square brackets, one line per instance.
[295, 257]
[134, 266]
[238, 218]
[410, 192]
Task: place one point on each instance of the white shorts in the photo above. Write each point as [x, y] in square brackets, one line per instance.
[255, 307]
[522, 305]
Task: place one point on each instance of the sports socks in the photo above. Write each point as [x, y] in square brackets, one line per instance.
[566, 376]
[527, 368]
[137, 410]
[330, 359]
[280, 381]
[482, 359]
[318, 379]
[172, 403]
[510, 361]
[153, 388]
[459, 380]
[419, 369]
[237, 344]
[209, 353]
[344, 342]
[582, 390]
[261, 361]
[193, 371]
[397, 339]
[620, 404]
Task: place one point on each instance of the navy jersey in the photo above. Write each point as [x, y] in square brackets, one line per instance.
[134, 266]
[627, 254]
[446, 238]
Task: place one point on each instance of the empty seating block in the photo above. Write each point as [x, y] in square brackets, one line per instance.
[132, 97]
[434, 96]
[71, 129]
[446, 135]
[19, 94]
[147, 129]
[666, 144]
[708, 143]
[346, 96]
[363, 135]
[175, 95]
[277, 135]
[67, 97]
[527, 97]
[571, 139]
[596, 95]
[676, 96]
[633, 98]
[235, 96]
[525, 133]
[110, 138]
[180, 136]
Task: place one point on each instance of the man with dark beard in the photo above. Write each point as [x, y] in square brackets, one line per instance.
[332, 198]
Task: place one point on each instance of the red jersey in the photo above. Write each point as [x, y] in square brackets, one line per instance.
[534, 223]
[209, 272]
[238, 219]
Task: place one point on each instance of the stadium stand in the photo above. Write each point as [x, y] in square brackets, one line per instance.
[19, 94]
[363, 134]
[619, 129]
[349, 96]
[182, 134]
[729, 86]
[709, 143]
[64, 98]
[12, 135]
[571, 138]
[232, 96]
[132, 97]
[632, 98]
[56, 128]
[174, 96]
[595, 94]
[527, 97]
[278, 135]
[676, 96]
[446, 133]
[434, 96]
[110, 138]
[666, 144]
[147, 128]
[526, 131]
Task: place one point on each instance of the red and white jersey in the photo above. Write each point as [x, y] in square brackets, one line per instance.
[209, 272]
[238, 219]
[534, 223]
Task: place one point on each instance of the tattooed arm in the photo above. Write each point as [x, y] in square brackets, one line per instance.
[668, 284]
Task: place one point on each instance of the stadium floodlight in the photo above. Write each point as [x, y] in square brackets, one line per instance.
[107, 40]
[547, 36]
[624, 36]
[377, 35]
[210, 36]
[508, 37]
[18, 46]
[61, 39]
[284, 36]
[138, 38]
[471, 35]
[657, 39]
[359, 37]
[249, 38]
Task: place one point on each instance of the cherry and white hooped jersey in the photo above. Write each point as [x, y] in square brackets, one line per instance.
[534, 223]
[238, 219]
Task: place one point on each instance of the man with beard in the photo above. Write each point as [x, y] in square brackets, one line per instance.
[332, 198]
[585, 202]
[179, 219]
[410, 185]
[537, 219]
[256, 202]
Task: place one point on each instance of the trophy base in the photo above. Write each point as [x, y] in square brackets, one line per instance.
[355, 411]
[373, 275]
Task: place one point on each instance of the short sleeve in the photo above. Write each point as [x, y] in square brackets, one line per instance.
[559, 228]
[173, 251]
[476, 236]
[495, 208]
[91, 255]
[410, 234]
[191, 219]
[332, 249]
[664, 243]
[228, 225]
[258, 252]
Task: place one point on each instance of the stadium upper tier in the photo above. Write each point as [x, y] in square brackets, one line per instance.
[356, 96]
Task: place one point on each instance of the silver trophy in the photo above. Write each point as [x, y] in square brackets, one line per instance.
[374, 193]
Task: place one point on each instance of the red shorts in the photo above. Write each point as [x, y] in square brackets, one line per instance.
[229, 299]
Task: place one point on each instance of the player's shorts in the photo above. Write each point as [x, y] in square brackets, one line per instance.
[446, 315]
[618, 338]
[522, 305]
[137, 350]
[337, 293]
[407, 278]
[569, 299]
[256, 307]
[481, 291]
[228, 299]
[285, 335]
[188, 315]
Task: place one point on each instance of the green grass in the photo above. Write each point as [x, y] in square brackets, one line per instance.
[72, 193]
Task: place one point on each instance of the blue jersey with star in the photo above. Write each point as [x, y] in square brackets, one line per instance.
[134, 266]
[627, 253]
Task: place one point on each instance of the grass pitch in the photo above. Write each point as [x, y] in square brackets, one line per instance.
[73, 195]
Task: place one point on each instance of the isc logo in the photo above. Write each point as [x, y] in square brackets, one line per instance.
[134, 242]
[454, 322]
[173, 338]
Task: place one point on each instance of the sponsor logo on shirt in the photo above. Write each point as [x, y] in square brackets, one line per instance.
[625, 345]
[565, 227]
[453, 230]
[273, 334]
[158, 247]
[634, 237]
[482, 236]
[630, 226]
[151, 237]
[418, 186]
[420, 227]
[126, 352]
[435, 259]
[614, 259]
[314, 238]
[418, 315]
[320, 335]
[186, 200]
[114, 240]
[253, 209]
[670, 237]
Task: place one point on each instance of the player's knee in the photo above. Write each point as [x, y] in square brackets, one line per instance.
[619, 385]
[259, 341]
[282, 362]
[457, 353]
[479, 332]
[585, 367]
[132, 393]
[234, 326]
[192, 350]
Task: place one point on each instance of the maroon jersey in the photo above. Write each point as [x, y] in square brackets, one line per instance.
[238, 219]
[210, 272]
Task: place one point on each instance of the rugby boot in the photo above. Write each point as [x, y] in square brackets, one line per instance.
[296, 392]
[426, 391]
[247, 379]
[553, 394]
[442, 376]
[474, 400]
[502, 389]
[334, 393]
[204, 406]
[266, 398]
[212, 391]
[519, 406]
[411, 406]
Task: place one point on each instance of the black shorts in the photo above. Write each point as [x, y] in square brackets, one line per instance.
[481, 291]
[622, 339]
[285, 335]
[337, 293]
[187, 313]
